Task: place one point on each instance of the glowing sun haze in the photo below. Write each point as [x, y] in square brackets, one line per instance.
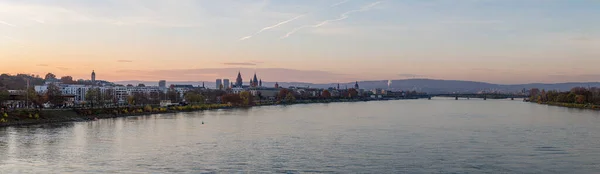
[498, 41]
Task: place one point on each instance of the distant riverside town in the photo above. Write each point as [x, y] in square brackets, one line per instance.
[52, 92]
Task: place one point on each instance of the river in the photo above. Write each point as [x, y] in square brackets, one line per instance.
[406, 136]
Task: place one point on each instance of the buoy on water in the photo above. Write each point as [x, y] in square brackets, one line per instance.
[202, 122]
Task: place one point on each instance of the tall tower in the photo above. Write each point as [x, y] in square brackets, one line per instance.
[356, 85]
[255, 81]
[162, 84]
[260, 82]
[238, 81]
[93, 77]
[276, 85]
[219, 84]
[226, 84]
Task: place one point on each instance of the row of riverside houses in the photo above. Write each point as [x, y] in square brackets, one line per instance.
[76, 94]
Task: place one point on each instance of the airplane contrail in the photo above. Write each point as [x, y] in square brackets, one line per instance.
[342, 17]
[287, 21]
[340, 3]
[6, 23]
[273, 26]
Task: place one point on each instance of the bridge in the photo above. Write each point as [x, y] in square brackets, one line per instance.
[483, 96]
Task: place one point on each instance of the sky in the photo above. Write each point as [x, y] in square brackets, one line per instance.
[496, 41]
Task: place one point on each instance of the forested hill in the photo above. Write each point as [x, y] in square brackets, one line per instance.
[19, 81]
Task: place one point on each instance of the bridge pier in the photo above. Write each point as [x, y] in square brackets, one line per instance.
[429, 98]
[512, 98]
[484, 97]
[456, 98]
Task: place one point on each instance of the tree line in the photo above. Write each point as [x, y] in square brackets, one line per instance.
[579, 95]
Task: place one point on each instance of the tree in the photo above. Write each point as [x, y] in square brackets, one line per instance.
[561, 98]
[326, 94]
[53, 95]
[533, 93]
[173, 95]
[543, 96]
[193, 97]
[551, 96]
[232, 99]
[67, 80]
[130, 100]
[19, 81]
[109, 96]
[93, 96]
[247, 98]
[4, 96]
[290, 98]
[141, 85]
[580, 99]
[50, 76]
[282, 94]
[140, 98]
[571, 98]
[154, 97]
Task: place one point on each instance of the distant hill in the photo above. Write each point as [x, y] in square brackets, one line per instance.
[423, 85]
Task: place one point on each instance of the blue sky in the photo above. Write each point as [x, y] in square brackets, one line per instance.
[500, 41]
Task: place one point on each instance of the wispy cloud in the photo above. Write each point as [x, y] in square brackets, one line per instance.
[273, 26]
[342, 17]
[42, 65]
[124, 61]
[339, 3]
[267, 74]
[240, 63]
[9, 24]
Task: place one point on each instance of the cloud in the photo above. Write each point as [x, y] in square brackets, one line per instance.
[339, 3]
[62, 68]
[42, 65]
[124, 61]
[342, 17]
[273, 26]
[266, 74]
[240, 63]
[6, 23]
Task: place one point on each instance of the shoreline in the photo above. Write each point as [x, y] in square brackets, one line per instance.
[571, 105]
[90, 114]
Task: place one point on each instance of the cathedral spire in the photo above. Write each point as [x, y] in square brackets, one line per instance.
[239, 81]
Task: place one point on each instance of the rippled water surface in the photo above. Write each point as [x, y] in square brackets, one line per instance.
[413, 136]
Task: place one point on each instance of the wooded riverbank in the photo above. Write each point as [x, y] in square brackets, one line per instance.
[44, 116]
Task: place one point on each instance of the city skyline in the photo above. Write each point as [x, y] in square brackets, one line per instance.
[506, 42]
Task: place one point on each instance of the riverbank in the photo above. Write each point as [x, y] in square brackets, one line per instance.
[33, 117]
[572, 105]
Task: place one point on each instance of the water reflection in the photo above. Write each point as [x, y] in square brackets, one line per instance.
[417, 136]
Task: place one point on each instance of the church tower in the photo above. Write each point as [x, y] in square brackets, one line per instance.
[239, 82]
[356, 85]
[276, 85]
[254, 81]
[260, 82]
